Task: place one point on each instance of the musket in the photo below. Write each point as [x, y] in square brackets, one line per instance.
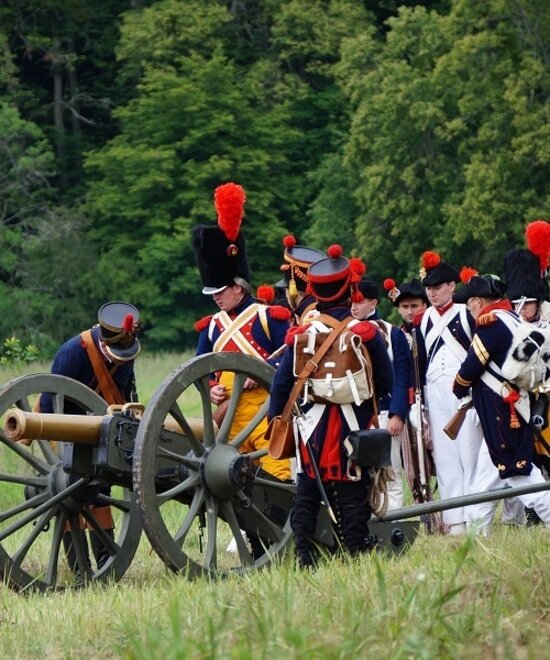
[453, 426]
[424, 488]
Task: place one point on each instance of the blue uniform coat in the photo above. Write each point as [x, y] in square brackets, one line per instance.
[511, 449]
[327, 438]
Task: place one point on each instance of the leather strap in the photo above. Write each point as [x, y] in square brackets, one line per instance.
[107, 387]
[311, 366]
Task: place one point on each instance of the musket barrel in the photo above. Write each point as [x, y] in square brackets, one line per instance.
[463, 500]
[80, 429]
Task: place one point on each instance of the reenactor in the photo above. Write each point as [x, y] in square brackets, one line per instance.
[394, 407]
[297, 260]
[322, 455]
[503, 409]
[409, 299]
[525, 272]
[103, 359]
[444, 334]
[242, 325]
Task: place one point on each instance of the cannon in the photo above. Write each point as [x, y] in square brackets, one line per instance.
[168, 468]
[184, 482]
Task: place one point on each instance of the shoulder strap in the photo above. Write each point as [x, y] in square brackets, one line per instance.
[107, 386]
[312, 364]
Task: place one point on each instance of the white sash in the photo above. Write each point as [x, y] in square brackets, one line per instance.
[232, 330]
[523, 406]
[441, 329]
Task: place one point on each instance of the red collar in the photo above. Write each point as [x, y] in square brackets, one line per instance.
[499, 304]
[444, 308]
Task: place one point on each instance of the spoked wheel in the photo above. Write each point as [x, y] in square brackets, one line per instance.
[200, 492]
[51, 535]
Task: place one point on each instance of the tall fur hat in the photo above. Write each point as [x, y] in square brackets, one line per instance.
[525, 269]
[220, 250]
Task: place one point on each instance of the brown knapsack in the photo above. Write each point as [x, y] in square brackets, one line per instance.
[344, 374]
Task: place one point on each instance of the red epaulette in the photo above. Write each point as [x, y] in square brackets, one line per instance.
[365, 329]
[417, 319]
[292, 332]
[279, 313]
[201, 324]
[486, 319]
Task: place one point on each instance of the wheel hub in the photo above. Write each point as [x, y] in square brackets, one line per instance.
[224, 471]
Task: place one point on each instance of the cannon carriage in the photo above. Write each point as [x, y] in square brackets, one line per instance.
[174, 474]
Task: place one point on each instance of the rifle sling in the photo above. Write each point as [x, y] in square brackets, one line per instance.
[107, 387]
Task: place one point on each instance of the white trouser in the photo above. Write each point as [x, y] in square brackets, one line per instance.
[538, 501]
[487, 478]
[456, 461]
[395, 488]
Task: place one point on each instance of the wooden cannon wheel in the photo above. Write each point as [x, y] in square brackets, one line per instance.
[42, 507]
[196, 495]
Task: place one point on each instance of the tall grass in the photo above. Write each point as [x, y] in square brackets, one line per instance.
[444, 598]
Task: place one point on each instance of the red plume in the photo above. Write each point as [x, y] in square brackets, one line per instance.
[537, 235]
[229, 200]
[466, 274]
[128, 323]
[265, 293]
[389, 284]
[357, 268]
[430, 260]
[334, 251]
[289, 241]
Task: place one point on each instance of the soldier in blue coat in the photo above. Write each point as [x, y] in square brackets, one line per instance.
[504, 410]
[241, 325]
[297, 260]
[103, 359]
[331, 282]
[394, 407]
[114, 339]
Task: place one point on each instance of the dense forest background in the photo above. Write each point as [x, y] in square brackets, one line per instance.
[391, 127]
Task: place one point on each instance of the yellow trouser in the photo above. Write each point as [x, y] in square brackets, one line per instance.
[250, 402]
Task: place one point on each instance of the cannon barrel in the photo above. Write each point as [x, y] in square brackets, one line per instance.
[464, 500]
[84, 429]
[78, 429]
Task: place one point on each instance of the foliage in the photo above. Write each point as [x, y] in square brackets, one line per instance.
[13, 352]
[388, 126]
[449, 133]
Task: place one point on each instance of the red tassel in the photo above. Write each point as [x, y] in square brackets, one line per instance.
[279, 313]
[511, 399]
[357, 296]
[201, 324]
[365, 329]
[430, 259]
[289, 241]
[358, 268]
[128, 323]
[292, 332]
[537, 235]
[229, 200]
[466, 274]
[389, 284]
[334, 251]
[265, 293]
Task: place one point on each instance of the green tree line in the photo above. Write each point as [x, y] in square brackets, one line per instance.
[390, 127]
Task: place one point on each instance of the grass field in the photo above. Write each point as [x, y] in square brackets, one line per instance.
[444, 598]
